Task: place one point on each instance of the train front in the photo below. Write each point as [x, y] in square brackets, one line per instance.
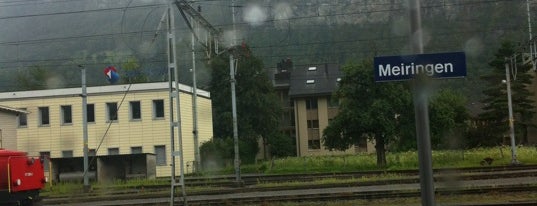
[21, 177]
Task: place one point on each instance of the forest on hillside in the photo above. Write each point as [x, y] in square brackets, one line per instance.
[56, 36]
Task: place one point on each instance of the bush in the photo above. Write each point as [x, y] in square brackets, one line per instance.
[282, 145]
[218, 153]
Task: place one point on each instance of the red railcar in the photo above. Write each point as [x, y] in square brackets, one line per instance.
[21, 178]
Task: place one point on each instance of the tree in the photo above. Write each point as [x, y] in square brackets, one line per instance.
[494, 118]
[281, 145]
[257, 105]
[133, 72]
[368, 110]
[448, 119]
[37, 77]
[216, 152]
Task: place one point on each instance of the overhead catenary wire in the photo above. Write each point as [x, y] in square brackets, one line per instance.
[116, 112]
[79, 11]
[254, 47]
[107, 129]
[221, 25]
[26, 2]
[513, 28]
[402, 8]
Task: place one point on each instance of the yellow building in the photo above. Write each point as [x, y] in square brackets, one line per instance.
[53, 125]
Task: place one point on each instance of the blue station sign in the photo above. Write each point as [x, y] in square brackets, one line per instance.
[439, 65]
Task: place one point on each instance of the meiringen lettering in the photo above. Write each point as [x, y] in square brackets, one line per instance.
[413, 69]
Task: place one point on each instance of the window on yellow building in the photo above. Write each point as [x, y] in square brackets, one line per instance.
[111, 111]
[158, 108]
[314, 140]
[136, 150]
[160, 155]
[311, 103]
[113, 151]
[314, 144]
[67, 114]
[67, 153]
[313, 124]
[90, 109]
[44, 119]
[92, 152]
[22, 119]
[135, 110]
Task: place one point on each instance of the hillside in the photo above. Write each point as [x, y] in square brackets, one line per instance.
[58, 35]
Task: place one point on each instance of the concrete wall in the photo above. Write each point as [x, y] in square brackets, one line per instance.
[123, 167]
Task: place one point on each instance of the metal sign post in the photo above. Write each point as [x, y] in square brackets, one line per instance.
[422, 113]
[420, 68]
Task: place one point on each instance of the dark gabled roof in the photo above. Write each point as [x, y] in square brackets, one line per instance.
[314, 80]
[13, 110]
[279, 78]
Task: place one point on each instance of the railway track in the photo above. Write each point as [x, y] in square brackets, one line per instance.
[364, 195]
[253, 179]
[411, 176]
[155, 197]
[312, 195]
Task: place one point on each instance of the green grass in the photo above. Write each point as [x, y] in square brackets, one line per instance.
[395, 161]
[59, 189]
[324, 181]
[324, 164]
[139, 186]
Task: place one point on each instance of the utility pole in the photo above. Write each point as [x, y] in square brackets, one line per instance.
[232, 70]
[421, 112]
[173, 82]
[533, 49]
[529, 18]
[514, 160]
[185, 8]
[197, 157]
[85, 127]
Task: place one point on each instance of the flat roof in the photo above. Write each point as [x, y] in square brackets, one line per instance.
[98, 90]
[14, 110]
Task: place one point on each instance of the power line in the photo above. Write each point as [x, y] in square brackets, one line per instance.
[37, 41]
[254, 47]
[81, 11]
[150, 32]
[26, 2]
[267, 21]
[319, 43]
[327, 15]
[401, 8]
